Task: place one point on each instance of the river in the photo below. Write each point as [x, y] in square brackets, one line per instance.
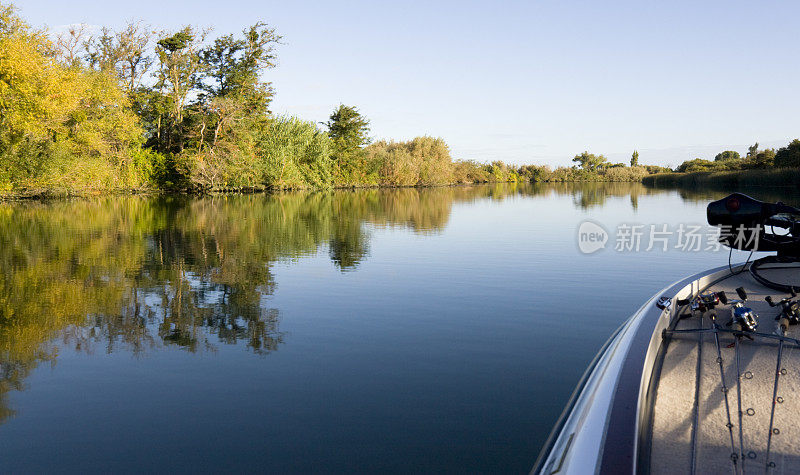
[396, 330]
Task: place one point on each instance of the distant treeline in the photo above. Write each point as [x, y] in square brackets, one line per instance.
[784, 157]
[139, 109]
[729, 170]
[728, 180]
[591, 167]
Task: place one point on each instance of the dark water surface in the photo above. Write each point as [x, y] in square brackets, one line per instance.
[384, 330]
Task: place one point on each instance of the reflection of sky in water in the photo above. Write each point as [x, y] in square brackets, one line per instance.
[410, 329]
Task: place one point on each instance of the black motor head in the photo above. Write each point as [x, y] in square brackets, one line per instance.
[737, 209]
[744, 219]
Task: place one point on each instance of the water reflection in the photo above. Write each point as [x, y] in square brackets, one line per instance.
[138, 273]
[141, 273]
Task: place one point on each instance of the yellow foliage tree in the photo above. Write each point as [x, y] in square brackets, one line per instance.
[62, 126]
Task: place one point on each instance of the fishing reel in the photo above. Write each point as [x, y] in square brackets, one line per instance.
[703, 302]
[790, 310]
[743, 319]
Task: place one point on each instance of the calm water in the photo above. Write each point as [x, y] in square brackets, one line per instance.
[394, 330]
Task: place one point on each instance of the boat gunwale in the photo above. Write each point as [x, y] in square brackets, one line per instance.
[623, 425]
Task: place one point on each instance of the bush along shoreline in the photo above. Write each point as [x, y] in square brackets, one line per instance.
[140, 110]
[727, 179]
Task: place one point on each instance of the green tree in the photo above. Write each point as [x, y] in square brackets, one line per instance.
[534, 173]
[178, 74]
[233, 66]
[232, 89]
[752, 151]
[350, 133]
[727, 155]
[101, 52]
[635, 158]
[589, 161]
[756, 158]
[788, 156]
[696, 165]
[762, 159]
[125, 52]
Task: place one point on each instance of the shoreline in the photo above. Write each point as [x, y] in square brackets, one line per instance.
[784, 177]
[727, 179]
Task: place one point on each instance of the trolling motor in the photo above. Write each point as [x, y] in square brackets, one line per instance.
[741, 217]
[744, 222]
[790, 310]
[742, 318]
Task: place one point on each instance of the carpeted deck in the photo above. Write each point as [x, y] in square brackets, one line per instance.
[690, 422]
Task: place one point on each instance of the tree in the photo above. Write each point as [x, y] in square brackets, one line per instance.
[756, 158]
[696, 165]
[349, 131]
[752, 151]
[234, 65]
[788, 156]
[69, 44]
[762, 159]
[101, 51]
[589, 161]
[232, 88]
[178, 74]
[57, 119]
[32, 97]
[134, 62]
[635, 159]
[124, 52]
[727, 155]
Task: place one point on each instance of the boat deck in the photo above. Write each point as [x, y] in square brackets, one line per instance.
[690, 424]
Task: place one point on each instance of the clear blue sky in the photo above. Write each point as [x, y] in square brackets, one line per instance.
[525, 82]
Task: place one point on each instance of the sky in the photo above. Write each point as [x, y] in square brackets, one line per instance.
[524, 82]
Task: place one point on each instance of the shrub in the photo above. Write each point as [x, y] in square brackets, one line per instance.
[421, 161]
[625, 173]
[295, 154]
[272, 153]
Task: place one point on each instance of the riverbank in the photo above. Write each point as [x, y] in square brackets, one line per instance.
[727, 179]
[730, 180]
[50, 194]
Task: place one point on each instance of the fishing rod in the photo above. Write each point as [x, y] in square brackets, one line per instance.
[743, 320]
[706, 302]
[789, 315]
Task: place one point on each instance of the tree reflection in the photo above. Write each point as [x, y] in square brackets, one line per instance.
[140, 274]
